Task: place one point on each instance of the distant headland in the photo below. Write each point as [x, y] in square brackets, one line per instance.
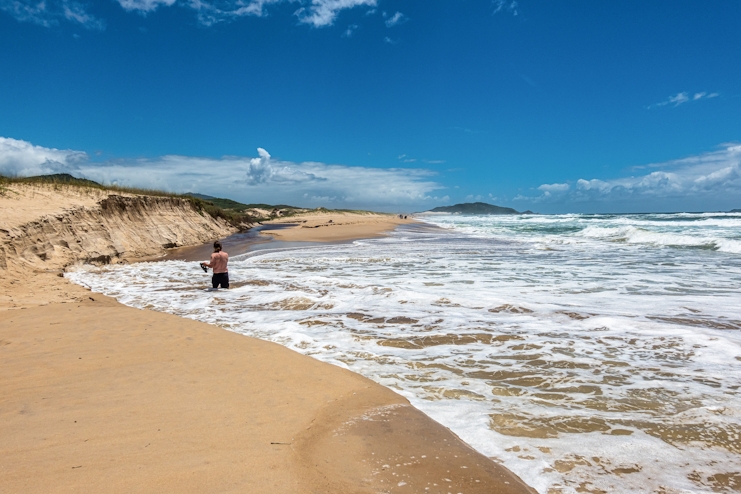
[476, 208]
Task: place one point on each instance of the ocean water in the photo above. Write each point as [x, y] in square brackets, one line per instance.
[588, 353]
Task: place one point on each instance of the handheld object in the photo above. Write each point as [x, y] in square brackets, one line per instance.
[204, 268]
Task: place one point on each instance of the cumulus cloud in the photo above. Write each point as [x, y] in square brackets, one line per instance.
[712, 177]
[264, 169]
[684, 97]
[337, 184]
[49, 12]
[21, 159]
[249, 179]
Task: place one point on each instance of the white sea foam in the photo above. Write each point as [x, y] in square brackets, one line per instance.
[582, 359]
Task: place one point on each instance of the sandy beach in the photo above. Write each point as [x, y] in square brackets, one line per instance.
[335, 226]
[99, 397]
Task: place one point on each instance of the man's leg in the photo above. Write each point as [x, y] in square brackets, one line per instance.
[220, 279]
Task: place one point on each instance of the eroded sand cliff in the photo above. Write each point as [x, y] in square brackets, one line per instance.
[98, 227]
[46, 228]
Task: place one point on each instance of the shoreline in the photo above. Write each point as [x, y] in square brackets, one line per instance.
[100, 396]
[336, 226]
[122, 399]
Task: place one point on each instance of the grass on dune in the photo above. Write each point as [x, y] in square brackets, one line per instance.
[63, 181]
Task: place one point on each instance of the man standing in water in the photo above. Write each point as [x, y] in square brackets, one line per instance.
[219, 260]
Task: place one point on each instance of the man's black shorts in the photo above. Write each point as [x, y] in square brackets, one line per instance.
[220, 279]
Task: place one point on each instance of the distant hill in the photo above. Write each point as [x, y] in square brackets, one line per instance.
[61, 178]
[735, 211]
[237, 206]
[222, 203]
[475, 208]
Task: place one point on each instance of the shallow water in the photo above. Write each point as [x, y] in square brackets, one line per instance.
[588, 353]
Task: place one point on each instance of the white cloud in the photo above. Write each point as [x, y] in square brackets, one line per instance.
[317, 13]
[554, 187]
[710, 177]
[49, 12]
[396, 19]
[324, 12]
[23, 159]
[216, 9]
[144, 5]
[684, 97]
[263, 169]
[389, 40]
[350, 30]
[505, 6]
[210, 12]
[408, 159]
[248, 179]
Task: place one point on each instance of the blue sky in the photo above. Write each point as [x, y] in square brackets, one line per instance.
[554, 106]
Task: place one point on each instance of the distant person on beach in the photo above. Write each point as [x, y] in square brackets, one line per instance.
[219, 260]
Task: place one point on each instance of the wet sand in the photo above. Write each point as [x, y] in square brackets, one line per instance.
[98, 397]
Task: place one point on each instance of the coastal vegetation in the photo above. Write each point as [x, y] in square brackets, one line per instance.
[59, 181]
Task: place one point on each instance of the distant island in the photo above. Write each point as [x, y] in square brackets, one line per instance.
[735, 211]
[476, 208]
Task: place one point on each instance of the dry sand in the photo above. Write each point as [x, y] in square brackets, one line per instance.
[99, 397]
[335, 226]
[22, 203]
